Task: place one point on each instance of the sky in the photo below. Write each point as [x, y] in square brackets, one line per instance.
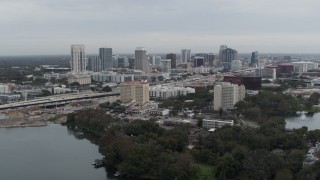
[40, 27]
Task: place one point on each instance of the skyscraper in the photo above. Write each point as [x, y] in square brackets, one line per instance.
[105, 55]
[254, 59]
[229, 55]
[78, 58]
[211, 58]
[198, 61]
[173, 58]
[185, 55]
[131, 62]
[141, 60]
[166, 65]
[222, 48]
[94, 64]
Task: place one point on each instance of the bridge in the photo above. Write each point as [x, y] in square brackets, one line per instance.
[57, 99]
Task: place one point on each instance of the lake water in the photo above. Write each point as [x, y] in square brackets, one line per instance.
[312, 121]
[49, 153]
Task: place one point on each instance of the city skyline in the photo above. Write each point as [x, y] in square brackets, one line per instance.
[49, 27]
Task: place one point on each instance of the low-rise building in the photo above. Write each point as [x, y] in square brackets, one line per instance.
[159, 112]
[216, 123]
[180, 122]
[161, 92]
[82, 79]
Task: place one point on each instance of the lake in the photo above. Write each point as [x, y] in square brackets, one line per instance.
[51, 152]
[310, 121]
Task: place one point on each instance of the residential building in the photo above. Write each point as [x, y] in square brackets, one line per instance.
[236, 65]
[82, 79]
[216, 123]
[185, 55]
[141, 60]
[112, 77]
[161, 92]
[134, 91]
[226, 95]
[166, 65]
[78, 59]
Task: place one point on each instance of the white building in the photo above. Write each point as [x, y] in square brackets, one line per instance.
[112, 77]
[166, 65]
[164, 92]
[216, 123]
[6, 88]
[226, 95]
[78, 59]
[185, 55]
[142, 60]
[82, 79]
[236, 65]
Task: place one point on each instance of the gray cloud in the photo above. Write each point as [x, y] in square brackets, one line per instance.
[50, 26]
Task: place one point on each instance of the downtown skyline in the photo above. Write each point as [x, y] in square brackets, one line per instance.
[49, 27]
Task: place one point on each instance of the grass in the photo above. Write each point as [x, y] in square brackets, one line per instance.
[206, 172]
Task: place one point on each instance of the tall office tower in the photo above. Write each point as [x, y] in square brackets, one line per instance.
[94, 64]
[229, 55]
[166, 65]
[105, 55]
[222, 48]
[236, 65]
[78, 58]
[141, 60]
[122, 62]
[211, 57]
[185, 55]
[134, 91]
[158, 60]
[205, 56]
[198, 61]
[254, 59]
[152, 60]
[227, 95]
[131, 62]
[173, 58]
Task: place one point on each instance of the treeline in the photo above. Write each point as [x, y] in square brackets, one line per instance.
[143, 150]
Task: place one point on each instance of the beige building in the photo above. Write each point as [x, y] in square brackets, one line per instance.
[226, 95]
[134, 91]
[80, 78]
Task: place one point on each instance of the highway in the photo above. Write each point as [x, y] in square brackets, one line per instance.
[57, 99]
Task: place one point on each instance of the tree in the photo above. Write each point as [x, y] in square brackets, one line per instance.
[227, 167]
[106, 89]
[45, 92]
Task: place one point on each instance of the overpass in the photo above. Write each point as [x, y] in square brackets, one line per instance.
[57, 99]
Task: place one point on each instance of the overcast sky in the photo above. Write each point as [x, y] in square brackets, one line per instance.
[31, 27]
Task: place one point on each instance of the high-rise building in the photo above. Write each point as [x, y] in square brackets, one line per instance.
[198, 61]
[185, 55]
[166, 65]
[173, 58]
[211, 58]
[131, 61]
[236, 65]
[157, 60]
[254, 59]
[105, 55]
[122, 62]
[226, 95]
[229, 55]
[94, 64]
[141, 60]
[134, 91]
[78, 58]
[222, 48]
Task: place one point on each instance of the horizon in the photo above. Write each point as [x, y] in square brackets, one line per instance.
[51, 26]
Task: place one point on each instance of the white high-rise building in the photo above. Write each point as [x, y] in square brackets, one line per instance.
[166, 65]
[142, 60]
[78, 59]
[185, 55]
[226, 95]
[236, 65]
